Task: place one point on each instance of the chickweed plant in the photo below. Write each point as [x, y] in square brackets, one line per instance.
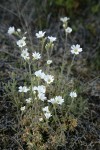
[47, 102]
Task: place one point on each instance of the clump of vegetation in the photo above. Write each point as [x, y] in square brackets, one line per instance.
[48, 102]
[74, 7]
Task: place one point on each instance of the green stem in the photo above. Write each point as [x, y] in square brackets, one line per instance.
[42, 45]
[69, 69]
[63, 63]
[70, 105]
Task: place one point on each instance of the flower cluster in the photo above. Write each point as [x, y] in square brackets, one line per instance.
[41, 34]
[41, 89]
[48, 102]
[24, 53]
[65, 22]
[11, 31]
[47, 78]
[75, 49]
[28, 100]
[46, 112]
[23, 89]
[57, 100]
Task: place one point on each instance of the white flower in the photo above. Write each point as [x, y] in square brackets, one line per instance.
[25, 33]
[25, 54]
[22, 108]
[23, 89]
[24, 38]
[68, 30]
[41, 92]
[34, 91]
[39, 74]
[56, 100]
[52, 39]
[40, 34]
[52, 100]
[21, 43]
[40, 89]
[73, 94]
[11, 30]
[76, 49]
[49, 62]
[40, 119]
[46, 112]
[59, 100]
[36, 55]
[28, 100]
[49, 79]
[45, 109]
[41, 96]
[47, 115]
[34, 88]
[64, 19]
[18, 30]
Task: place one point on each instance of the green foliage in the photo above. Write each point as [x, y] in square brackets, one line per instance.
[95, 8]
[96, 61]
[67, 3]
[77, 107]
[11, 92]
[44, 93]
[72, 6]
